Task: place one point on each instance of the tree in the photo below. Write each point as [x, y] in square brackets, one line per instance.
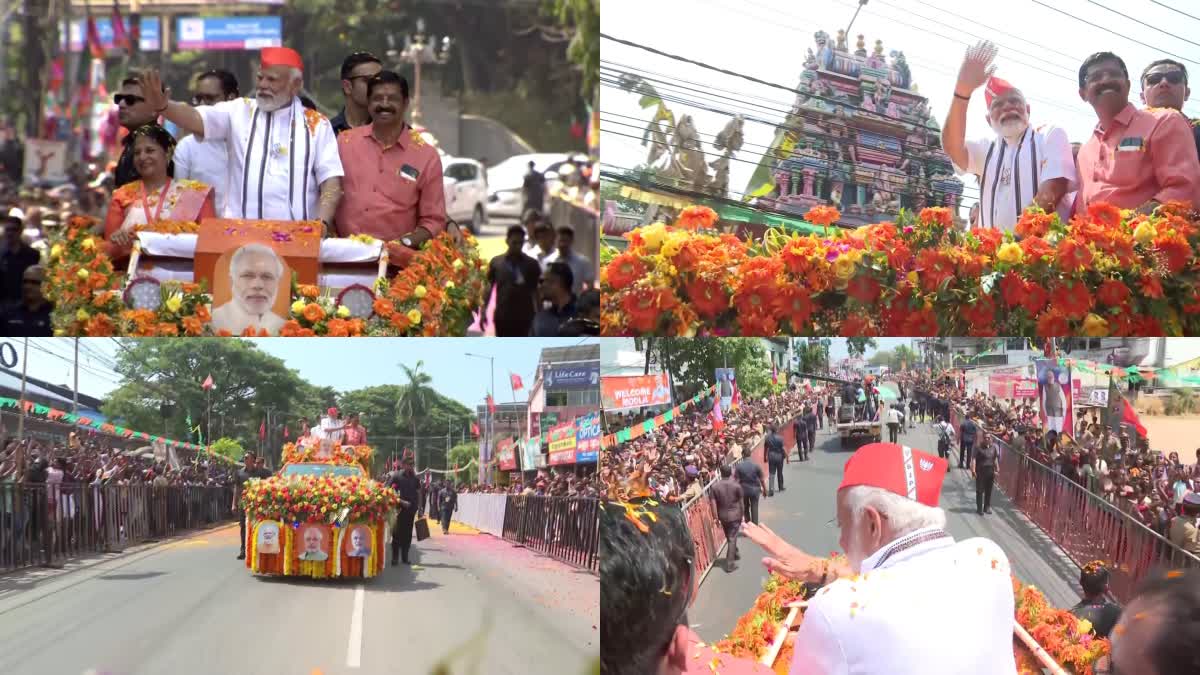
[414, 397]
[228, 448]
[693, 363]
[858, 346]
[583, 16]
[882, 358]
[462, 454]
[814, 357]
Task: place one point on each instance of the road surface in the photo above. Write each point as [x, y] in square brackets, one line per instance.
[800, 514]
[188, 607]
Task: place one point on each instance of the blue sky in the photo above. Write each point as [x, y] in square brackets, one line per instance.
[344, 364]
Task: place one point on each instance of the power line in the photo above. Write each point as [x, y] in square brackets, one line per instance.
[1143, 23]
[1113, 32]
[1073, 58]
[1161, 4]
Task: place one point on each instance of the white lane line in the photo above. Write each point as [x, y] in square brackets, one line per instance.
[354, 649]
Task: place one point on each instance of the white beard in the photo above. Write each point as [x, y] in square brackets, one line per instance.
[271, 104]
[1010, 130]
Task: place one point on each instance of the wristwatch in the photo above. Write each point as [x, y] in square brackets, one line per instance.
[407, 241]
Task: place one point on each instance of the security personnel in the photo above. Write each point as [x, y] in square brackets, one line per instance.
[249, 470]
[810, 423]
[776, 455]
[801, 432]
[448, 502]
[406, 484]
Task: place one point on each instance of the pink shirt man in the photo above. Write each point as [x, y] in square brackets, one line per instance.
[1145, 155]
[389, 192]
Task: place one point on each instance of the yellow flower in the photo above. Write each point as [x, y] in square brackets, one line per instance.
[1084, 626]
[55, 251]
[82, 274]
[343, 311]
[58, 332]
[457, 264]
[843, 267]
[88, 244]
[1145, 232]
[673, 243]
[419, 291]
[449, 285]
[82, 314]
[414, 316]
[1010, 253]
[298, 307]
[914, 278]
[174, 302]
[1095, 326]
[654, 235]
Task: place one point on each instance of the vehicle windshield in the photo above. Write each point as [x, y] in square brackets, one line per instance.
[320, 470]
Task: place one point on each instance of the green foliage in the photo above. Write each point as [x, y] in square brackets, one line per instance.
[462, 454]
[692, 362]
[390, 431]
[1182, 402]
[814, 357]
[228, 448]
[583, 16]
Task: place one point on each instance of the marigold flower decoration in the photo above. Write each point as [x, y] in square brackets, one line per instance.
[81, 282]
[1106, 273]
[435, 294]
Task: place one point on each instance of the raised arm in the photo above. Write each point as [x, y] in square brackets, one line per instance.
[976, 68]
[180, 113]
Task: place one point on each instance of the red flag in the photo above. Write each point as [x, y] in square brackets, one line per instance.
[208, 383]
[93, 38]
[262, 430]
[737, 395]
[56, 74]
[718, 418]
[1131, 417]
[474, 429]
[120, 37]
[516, 382]
[491, 404]
[286, 433]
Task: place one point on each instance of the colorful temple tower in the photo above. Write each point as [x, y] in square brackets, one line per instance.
[859, 137]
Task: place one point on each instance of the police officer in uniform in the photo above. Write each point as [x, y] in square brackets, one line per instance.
[776, 455]
[810, 424]
[406, 484]
[800, 430]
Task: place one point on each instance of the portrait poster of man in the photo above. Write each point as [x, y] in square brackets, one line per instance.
[725, 379]
[314, 544]
[251, 289]
[268, 538]
[358, 544]
[1054, 395]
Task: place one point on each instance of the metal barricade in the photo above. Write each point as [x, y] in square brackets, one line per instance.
[484, 512]
[708, 537]
[50, 524]
[565, 528]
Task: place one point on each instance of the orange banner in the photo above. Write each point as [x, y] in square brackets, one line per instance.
[634, 391]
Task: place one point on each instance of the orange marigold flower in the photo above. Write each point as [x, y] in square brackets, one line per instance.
[192, 325]
[166, 329]
[758, 324]
[989, 239]
[922, 323]
[823, 215]
[857, 325]
[1151, 287]
[383, 308]
[864, 289]
[644, 306]
[190, 287]
[203, 314]
[1036, 248]
[1052, 324]
[1073, 255]
[1073, 299]
[337, 328]
[224, 332]
[100, 325]
[697, 218]
[937, 215]
[308, 291]
[1113, 292]
[624, 270]
[400, 322]
[708, 297]
[1104, 214]
[313, 312]
[1033, 223]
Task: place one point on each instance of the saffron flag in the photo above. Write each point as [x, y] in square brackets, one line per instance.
[262, 430]
[517, 385]
[208, 383]
[120, 37]
[737, 395]
[774, 374]
[93, 38]
[491, 405]
[718, 418]
[474, 429]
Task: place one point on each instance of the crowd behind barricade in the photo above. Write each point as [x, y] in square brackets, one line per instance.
[1152, 486]
[680, 458]
[557, 485]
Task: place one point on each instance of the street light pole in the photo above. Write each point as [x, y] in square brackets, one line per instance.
[421, 49]
[491, 425]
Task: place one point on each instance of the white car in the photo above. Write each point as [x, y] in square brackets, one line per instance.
[505, 180]
[466, 184]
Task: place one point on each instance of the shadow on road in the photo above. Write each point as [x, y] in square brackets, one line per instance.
[130, 577]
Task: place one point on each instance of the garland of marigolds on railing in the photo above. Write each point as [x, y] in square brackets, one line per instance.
[434, 295]
[650, 425]
[1107, 272]
[106, 427]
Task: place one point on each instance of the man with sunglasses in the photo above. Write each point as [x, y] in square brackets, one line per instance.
[1134, 159]
[133, 112]
[357, 70]
[208, 161]
[1165, 85]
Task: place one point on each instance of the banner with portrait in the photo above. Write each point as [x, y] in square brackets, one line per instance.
[726, 380]
[1055, 396]
[506, 453]
[634, 391]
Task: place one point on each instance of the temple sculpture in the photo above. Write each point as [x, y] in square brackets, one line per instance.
[858, 137]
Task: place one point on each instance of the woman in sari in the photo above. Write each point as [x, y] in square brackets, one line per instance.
[155, 197]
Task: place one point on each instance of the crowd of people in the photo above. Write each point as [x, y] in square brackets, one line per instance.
[273, 156]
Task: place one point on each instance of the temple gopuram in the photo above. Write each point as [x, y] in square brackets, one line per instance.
[858, 137]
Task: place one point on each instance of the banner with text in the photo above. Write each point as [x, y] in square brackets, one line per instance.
[587, 439]
[562, 443]
[634, 391]
[506, 452]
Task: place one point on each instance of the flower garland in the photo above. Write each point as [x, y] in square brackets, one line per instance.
[81, 282]
[1107, 272]
[300, 499]
[436, 293]
[340, 454]
[755, 631]
[314, 314]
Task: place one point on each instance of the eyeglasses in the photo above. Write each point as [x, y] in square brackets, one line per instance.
[127, 99]
[204, 99]
[1173, 76]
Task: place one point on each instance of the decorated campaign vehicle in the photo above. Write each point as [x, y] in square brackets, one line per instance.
[321, 516]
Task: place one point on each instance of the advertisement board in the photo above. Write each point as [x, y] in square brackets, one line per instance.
[531, 454]
[562, 443]
[228, 32]
[149, 36]
[573, 377]
[1025, 389]
[634, 391]
[506, 452]
[547, 420]
[587, 439]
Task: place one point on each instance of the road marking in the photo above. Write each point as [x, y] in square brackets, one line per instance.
[354, 649]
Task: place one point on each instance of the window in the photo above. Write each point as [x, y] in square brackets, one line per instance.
[461, 171]
[580, 397]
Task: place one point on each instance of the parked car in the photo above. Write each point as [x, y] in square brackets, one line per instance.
[466, 184]
[506, 179]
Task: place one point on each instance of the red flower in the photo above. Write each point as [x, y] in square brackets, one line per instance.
[697, 217]
[864, 289]
[899, 255]
[937, 215]
[1113, 292]
[989, 239]
[923, 323]
[643, 307]
[624, 270]
[1073, 255]
[858, 325]
[1176, 250]
[1033, 224]
[1012, 288]
[795, 307]
[1036, 248]
[1052, 324]
[758, 324]
[1104, 214]
[981, 312]
[1035, 298]
[708, 297]
[1151, 287]
[1072, 299]
[1145, 325]
[936, 268]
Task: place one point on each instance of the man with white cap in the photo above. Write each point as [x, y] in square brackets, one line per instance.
[1021, 166]
[283, 158]
[905, 579]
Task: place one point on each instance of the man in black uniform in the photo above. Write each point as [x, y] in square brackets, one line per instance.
[776, 455]
[750, 475]
[407, 486]
[1095, 605]
[810, 424]
[801, 433]
[448, 501]
[249, 470]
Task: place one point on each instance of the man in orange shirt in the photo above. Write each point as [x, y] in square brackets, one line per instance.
[393, 182]
[1135, 159]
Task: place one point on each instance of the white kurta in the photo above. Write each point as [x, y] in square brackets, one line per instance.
[936, 608]
[207, 162]
[276, 161]
[1011, 174]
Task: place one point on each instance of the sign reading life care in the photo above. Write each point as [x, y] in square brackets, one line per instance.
[620, 392]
